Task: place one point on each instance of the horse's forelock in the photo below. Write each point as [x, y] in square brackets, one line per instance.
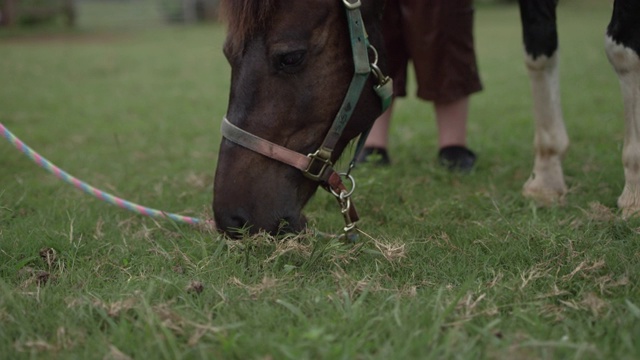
[244, 19]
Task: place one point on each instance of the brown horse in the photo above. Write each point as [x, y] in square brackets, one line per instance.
[292, 94]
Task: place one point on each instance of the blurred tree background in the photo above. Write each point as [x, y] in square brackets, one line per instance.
[29, 13]
[33, 12]
[190, 10]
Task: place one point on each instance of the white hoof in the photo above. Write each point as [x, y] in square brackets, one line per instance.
[545, 192]
[629, 203]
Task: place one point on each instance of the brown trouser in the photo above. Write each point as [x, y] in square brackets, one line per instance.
[437, 36]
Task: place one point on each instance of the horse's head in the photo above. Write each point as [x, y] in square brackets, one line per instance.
[291, 68]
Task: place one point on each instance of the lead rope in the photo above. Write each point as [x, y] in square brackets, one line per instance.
[97, 193]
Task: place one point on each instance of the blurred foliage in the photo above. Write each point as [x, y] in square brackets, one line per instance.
[34, 12]
[190, 10]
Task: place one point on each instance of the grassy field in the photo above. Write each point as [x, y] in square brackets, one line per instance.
[453, 266]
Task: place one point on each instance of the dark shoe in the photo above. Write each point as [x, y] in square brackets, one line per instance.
[374, 155]
[457, 158]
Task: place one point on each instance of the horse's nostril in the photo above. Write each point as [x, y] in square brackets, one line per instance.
[232, 225]
[237, 222]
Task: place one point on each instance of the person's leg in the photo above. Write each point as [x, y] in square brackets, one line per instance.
[397, 59]
[451, 118]
[378, 140]
[379, 134]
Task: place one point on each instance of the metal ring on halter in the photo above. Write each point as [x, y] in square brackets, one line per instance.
[375, 70]
[352, 6]
[344, 194]
[375, 54]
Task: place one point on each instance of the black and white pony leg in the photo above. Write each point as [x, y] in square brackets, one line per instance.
[546, 185]
[622, 45]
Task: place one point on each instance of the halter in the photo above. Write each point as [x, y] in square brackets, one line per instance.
[317, 166]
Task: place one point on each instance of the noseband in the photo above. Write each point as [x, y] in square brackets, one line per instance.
[317, 166]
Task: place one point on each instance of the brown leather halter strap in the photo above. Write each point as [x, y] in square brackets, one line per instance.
[318, 166]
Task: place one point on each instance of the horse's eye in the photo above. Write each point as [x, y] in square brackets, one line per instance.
[290, 61]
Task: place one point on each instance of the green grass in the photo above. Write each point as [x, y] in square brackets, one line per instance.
[455, 266]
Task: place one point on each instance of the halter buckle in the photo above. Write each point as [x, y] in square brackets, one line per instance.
[319, 162]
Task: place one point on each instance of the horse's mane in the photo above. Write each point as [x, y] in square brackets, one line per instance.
[244, 19]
